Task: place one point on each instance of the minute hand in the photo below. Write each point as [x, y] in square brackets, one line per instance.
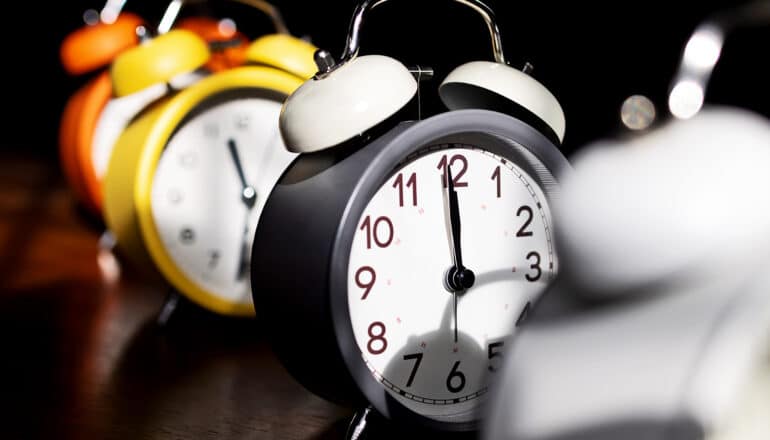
[459, 277]
[454, 220]
[248, 194]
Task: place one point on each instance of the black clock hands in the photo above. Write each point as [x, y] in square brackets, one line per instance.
[458, 278]
[249, 198]
[248, 194]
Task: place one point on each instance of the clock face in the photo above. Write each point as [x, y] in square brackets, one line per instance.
[114, 119]
[209, 188]
[429, 348]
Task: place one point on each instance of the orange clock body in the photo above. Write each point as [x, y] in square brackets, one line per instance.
[95, 46]
[76, 138]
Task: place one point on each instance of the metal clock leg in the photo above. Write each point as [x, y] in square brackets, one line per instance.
[169, 306]
[107, 241]
[357, 429]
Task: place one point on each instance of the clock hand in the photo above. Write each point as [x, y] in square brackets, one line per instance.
[248, 194]
[249, 198]
[243, 260]
[458, 277]
[454, 307]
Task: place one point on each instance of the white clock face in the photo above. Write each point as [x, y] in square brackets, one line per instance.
[431, 356]
[114, 119]
[204, 212]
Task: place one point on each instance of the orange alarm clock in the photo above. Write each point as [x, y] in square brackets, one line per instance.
[95, 46]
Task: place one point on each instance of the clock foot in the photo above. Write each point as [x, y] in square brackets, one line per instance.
[107, 241]
[169, 306]
[368, 424]
[357, 429]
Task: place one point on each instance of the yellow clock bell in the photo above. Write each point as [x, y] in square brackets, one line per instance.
[189, 177]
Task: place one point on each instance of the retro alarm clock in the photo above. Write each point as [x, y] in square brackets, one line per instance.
[188, 177]
[394, 256]
[661, 314]
[95, 115]
[106, 34]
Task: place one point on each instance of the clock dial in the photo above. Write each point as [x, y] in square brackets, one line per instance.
[115, 117]
[210, 187]
[430, 348]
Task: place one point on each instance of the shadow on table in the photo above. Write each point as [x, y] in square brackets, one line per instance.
[207, 376]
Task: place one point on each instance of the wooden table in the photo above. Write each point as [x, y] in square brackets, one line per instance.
[83, 355]
[84, 358]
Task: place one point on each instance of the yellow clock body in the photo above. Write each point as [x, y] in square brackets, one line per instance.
[188, 178]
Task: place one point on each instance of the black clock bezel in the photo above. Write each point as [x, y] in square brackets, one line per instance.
[500, 134]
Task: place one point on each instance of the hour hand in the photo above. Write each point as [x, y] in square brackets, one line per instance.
[458, 277]
[248, 194]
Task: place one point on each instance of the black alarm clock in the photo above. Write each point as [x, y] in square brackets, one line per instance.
[394, 257]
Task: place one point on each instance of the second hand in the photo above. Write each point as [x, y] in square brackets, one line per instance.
[458, 278]
[249, 198]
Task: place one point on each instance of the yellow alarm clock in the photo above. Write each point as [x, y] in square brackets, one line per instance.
[188, 178]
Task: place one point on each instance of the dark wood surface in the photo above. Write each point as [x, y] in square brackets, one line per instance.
[83, 355]
[84, 358]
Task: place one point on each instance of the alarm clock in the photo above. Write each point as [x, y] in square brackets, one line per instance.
[91, 123]
[189, 177]
[394, 257]
[106, 34]
[658, 325]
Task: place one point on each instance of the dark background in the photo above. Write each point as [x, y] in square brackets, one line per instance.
[591, 55]
[82, 356]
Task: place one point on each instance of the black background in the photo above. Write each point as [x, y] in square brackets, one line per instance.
[591, 55]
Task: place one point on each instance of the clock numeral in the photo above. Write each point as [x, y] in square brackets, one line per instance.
[456, 176]
[527, 210]
[211, 131]
[411, 182]
[455, 376]
[367, 286]
[242, 122]
[496, 178]
[535, 265]
[373, 231]
[524, 314]
[377, 338]
[214, 257]
[187, 236]
[418, 358]
[175, 196]
[493, 351]
[188, 160]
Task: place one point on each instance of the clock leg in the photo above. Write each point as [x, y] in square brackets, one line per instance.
[107, 241]
[169, 306]
[357, 429]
